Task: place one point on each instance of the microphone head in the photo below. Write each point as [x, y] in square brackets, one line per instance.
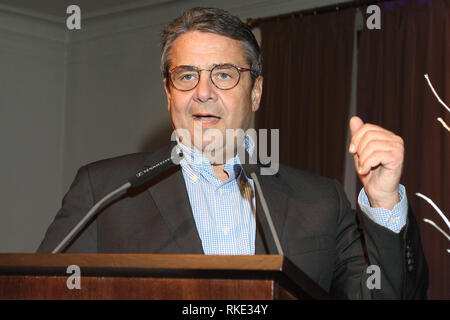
[152, 171]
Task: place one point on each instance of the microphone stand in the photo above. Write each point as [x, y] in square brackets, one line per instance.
[135, 181]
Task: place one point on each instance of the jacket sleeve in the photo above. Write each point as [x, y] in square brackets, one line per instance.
[398, 259]
[76, 203]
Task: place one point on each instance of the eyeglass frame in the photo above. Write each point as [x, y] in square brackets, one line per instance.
[199, 71]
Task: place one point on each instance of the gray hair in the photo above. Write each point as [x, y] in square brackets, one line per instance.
[216, 21]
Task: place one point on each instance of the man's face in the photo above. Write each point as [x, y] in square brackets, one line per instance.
[206, 108]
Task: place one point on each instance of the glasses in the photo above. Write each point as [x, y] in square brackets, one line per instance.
[223, 76]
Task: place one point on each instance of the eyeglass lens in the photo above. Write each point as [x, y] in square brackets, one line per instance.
[222, 76]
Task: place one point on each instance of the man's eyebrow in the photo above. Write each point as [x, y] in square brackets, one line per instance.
[223, 64]
[190, 67]
[226, 64]
[185, 66]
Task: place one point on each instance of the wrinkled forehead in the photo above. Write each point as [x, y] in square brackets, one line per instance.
[205, 49]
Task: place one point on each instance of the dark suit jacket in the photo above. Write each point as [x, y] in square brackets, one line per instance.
[313, 218]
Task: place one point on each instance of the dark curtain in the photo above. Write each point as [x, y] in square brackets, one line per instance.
[307, 66]
[414, 39]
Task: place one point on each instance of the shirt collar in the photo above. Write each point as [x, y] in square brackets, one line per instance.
[195, 163]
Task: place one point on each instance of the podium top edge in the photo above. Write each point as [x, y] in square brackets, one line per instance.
[143, 261]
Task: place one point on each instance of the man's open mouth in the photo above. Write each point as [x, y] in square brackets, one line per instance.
[206, 117]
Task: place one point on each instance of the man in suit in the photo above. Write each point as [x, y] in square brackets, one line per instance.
[211, 65]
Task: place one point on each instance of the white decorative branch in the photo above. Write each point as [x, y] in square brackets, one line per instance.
[436, 226]
[440, 100]
[435, 94]
[436, 208]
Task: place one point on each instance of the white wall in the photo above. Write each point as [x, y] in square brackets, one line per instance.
[71, 97]
[32, 90]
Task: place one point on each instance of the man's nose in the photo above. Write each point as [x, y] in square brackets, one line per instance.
[205, 89]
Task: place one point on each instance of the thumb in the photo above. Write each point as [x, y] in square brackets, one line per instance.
[355, 124]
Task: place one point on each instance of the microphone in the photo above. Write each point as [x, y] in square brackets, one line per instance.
[135, 181]
[252, 169]
[150, 172]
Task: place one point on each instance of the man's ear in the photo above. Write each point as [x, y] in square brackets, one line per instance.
[167, 89]
[256, 93]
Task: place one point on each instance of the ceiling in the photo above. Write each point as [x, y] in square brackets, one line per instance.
[57, 8]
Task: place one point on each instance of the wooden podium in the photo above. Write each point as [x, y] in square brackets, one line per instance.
[154, 276]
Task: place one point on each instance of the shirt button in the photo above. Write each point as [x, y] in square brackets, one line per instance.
[393, 220]
[194, 178]
[225, 230]
[220, 190]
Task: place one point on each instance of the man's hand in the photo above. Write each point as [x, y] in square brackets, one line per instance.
[378, 155]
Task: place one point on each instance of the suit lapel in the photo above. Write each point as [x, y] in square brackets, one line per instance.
[170, 196]
[276, 200]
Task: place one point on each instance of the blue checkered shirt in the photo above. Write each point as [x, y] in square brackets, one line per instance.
[394, 219]
[223, 213]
